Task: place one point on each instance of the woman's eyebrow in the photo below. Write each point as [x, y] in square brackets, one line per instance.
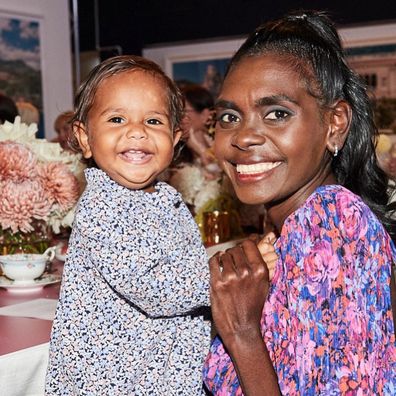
[226, 104]
[274, 99]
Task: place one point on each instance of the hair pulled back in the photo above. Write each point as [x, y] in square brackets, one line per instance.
[311, 41]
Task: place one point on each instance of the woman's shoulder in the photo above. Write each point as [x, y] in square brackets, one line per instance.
[336, 211]
[335, 193]
[333, 199]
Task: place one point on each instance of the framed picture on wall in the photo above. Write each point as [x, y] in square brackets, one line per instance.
[20, 62]
[35, 57]
[208, 72]
[202, 63]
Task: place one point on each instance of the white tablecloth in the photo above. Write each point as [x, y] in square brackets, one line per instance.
[40, 308]
[23, 373]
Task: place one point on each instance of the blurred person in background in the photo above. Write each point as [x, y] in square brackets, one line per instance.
[196, 124]
[28, 112]
[8, 109]
[63, 128]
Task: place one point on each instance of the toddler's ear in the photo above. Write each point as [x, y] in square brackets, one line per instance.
[81, 134]
[177, 134]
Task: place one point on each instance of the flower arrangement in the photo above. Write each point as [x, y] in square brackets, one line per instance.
[195, 188]
[39, 181]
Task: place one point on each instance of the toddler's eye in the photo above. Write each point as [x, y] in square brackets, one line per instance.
[154, 121]
[228, 118]
[277, 115]
[116, 120]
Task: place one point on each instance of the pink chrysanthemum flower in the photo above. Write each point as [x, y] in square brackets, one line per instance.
[60, 184]
[17, 162]
[21, 203]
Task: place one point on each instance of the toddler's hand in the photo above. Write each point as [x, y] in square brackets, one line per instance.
[267, 250]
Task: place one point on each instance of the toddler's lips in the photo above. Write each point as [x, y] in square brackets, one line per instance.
[136, 156]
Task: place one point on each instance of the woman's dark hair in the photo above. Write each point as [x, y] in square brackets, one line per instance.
[8, 109]
[198, 97]
[311, 42]
[113, 66]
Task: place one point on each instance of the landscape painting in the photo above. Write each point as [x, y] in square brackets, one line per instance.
[208, 73]
[20, 61]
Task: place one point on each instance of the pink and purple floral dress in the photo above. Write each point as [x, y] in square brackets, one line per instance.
[327, 321]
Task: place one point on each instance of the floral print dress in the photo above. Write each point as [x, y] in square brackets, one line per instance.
[327, 321]
[130, 318]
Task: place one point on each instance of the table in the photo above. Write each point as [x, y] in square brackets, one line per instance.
[24, 342]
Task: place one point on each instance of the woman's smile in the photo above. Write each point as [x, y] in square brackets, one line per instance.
[250, 173]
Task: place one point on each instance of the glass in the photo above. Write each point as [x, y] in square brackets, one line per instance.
[216, 227]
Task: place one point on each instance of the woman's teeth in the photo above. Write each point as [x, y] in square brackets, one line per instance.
[256, 168]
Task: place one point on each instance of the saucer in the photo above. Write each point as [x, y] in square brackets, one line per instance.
[36, 284]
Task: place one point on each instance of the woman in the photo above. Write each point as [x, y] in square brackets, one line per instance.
[295, 132]
[198, 114]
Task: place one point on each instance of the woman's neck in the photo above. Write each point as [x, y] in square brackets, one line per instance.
[279, 211]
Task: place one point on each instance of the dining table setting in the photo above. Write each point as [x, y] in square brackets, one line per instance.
[27, 309]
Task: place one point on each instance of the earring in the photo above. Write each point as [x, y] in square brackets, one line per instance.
[335, 151]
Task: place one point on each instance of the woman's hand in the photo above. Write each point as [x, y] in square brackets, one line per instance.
[239, 286]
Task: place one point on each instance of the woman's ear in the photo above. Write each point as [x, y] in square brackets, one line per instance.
[340, 117]
[81, 134]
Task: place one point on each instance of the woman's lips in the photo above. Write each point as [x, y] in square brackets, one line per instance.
[253, 169]
[255, 172]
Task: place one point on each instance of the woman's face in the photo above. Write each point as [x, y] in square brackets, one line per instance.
[271, 135]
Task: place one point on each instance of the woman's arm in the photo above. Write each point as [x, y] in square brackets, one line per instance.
[239, 286]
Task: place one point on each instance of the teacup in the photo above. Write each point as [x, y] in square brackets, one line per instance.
[23, 267]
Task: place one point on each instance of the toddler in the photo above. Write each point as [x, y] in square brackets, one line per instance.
[131, 318]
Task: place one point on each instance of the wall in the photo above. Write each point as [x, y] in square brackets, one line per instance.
[56, 66]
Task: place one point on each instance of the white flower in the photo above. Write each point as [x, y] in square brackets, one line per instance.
[196, 190]
[210, 191]
[188, 180]
[17, 131]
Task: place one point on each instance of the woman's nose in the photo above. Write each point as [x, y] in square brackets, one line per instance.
[247, 137]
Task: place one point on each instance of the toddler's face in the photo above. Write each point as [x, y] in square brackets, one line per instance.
[129, 131]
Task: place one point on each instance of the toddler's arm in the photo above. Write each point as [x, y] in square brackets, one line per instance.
[267, 250]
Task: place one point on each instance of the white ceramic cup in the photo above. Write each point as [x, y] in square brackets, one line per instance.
[24, 267]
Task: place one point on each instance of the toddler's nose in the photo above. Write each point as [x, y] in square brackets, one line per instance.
[136, 132]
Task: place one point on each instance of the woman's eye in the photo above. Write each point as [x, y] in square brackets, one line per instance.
[116, 120]
[228, 118]
[277, 115]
